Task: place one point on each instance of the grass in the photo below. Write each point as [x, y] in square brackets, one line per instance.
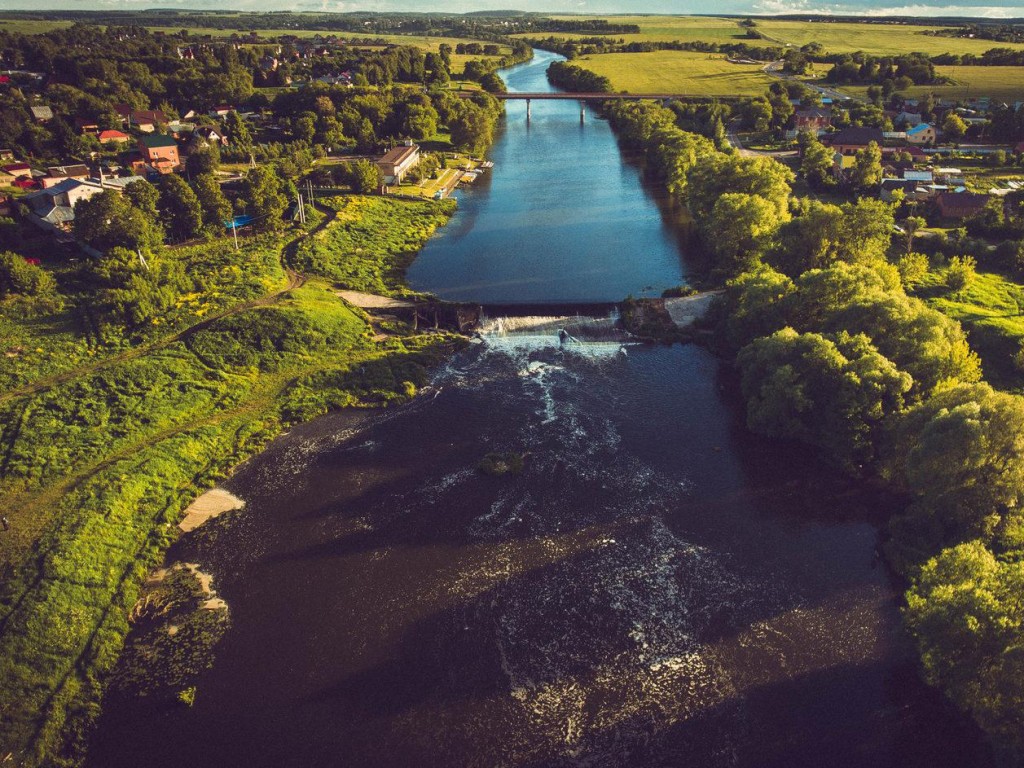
[371, 241]
[836, 37]
[1000, 83]
[991, 310]
[681, 72]
[98, 461]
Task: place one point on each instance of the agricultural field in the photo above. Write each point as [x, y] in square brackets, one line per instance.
[682, 72]
[836, 37]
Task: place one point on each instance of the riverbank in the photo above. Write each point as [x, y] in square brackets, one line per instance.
[103, 460]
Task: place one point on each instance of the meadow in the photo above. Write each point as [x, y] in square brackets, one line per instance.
[682, 72]
[991, 310]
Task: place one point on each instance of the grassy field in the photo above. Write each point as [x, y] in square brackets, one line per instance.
[1001, 83]
[682, 72]
[991, 310]
[103, 446]
[874, 38]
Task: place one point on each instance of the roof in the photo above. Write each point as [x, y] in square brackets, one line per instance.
[113, 136]
[856, 136]
[64, 171]
[919, 128]
[42, 113]
[962, 203]
[15, 167]
[918, 175]
[156, 140]
[398, 155]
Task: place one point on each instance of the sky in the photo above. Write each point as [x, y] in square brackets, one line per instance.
[980, 8]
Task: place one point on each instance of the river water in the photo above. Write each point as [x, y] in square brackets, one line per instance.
[657, 587]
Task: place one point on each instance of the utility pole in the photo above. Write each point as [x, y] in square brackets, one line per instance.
[234, 231]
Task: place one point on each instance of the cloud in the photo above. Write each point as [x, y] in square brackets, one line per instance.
[775, 7]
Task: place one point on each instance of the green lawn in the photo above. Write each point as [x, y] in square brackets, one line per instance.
[992, 312]
[682, 72]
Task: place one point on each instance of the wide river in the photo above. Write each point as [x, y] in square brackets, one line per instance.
[657, 587]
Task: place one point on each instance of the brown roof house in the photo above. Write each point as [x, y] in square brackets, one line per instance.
[160, 151]
[397, 162]
[849, 140]
[960, 205]
[144, 120]
[58, 173]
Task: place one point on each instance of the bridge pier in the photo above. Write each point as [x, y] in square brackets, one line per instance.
[529, 111]
[583, 110]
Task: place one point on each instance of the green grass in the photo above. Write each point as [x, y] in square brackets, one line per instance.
[98, 462]
[371, 241]
[31, 26]
[841, 37]
[991, 310]
[682, 72]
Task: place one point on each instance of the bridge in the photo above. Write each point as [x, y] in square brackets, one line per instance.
[582, 98]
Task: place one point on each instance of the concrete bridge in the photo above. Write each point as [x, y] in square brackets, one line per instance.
[582, 98]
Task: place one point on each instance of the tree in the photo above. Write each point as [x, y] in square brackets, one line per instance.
[965, 612]
[180, 207]
[472, 128]
[866, 173]
[17, 276]
[132, 290]
[203, 157]
[816, 165]
[953, 126]
[108, 220]
[961, 273]
[143, 196]
[913, 267]
[264, 198]
[912, 226]
[238, 132]
[215, 207]
[365, 177]
[716, 174]
[834, 392]
[743, 226]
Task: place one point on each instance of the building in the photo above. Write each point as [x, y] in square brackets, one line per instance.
[959, 206]
[144, 120]
[19, 170]
[54, 208]
[909, 119]
[890, 186]
[850, 140]
[816, 120]
[209, 135]
[160, 152]
[397, 162]
[42, 114]
[112, 137]
[923, 133]
[59, 173]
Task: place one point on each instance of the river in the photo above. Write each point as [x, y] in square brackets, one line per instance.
[657, 587]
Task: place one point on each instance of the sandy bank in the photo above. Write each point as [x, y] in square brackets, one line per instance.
[212, 503]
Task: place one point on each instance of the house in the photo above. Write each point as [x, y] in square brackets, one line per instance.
[921, 177]
[85, 125]
[220, 111]
[209, 135]
[160, 152]
[59, 173]
[112, 137]
[19, 170]
[816, 120]
[42, 114]
[923, 133]
[397, 162]
[144, 120]
[890, 186]
[961, 205]
[850, 140]
[54, 208]
[909, 119]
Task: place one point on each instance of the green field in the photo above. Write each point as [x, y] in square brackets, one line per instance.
[837, 37]
[682, 72]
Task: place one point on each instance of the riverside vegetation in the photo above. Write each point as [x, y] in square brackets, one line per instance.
[130, 389]
[832, 351]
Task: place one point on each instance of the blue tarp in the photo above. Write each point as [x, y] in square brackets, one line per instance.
[239, 221]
